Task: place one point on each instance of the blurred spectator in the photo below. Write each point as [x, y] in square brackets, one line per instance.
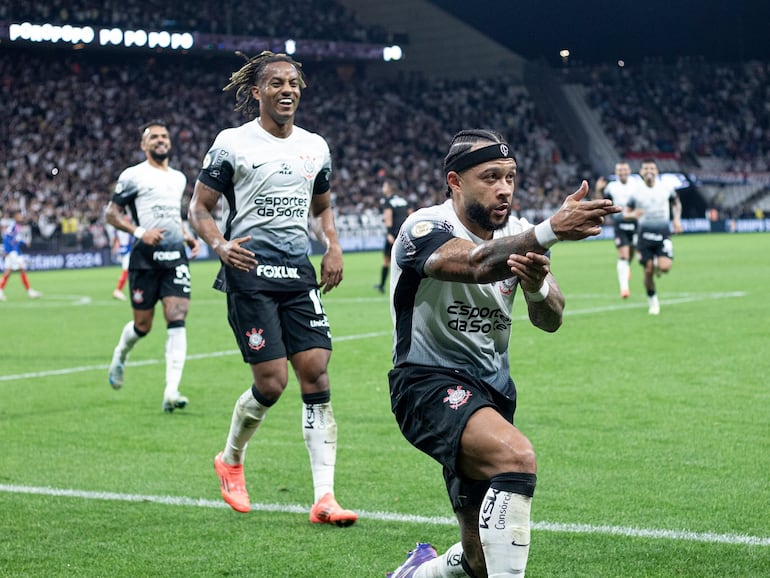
[74, 115]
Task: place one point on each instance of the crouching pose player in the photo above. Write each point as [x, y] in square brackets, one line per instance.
[456, 269]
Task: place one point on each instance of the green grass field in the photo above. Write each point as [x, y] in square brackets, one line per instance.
[652, 433]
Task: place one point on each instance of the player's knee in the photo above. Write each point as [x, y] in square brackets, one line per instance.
[270, 387]
[518, 456]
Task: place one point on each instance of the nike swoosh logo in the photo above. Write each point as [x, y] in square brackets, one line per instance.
[256, 166]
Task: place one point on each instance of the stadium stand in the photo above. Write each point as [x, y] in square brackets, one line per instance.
[308, 19]
[70, 117]
[71, 124]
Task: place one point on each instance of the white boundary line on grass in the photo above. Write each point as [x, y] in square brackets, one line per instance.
[68, 370]
[684, 298]
[708, 537]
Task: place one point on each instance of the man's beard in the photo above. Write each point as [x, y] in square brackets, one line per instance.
[480, 215]
[158, 157]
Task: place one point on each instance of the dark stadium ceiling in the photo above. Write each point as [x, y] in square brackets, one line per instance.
[597, 31]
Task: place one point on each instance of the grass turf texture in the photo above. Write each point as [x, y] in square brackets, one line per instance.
[641, 424]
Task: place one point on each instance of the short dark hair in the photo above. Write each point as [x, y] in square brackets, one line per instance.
[464, 140]
[155, 122]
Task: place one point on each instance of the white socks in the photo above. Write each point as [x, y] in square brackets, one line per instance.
[247, 417]
[176, 352]
[623, 272]
[128, 339]
[447, 565]
[505, 534]
[320, 432]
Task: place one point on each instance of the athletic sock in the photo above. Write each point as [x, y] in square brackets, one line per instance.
[128, 338]
[122, 280]
[4, 281]
[623, 270]
[247, 417]
[24, 280]
[383, 276]
[176, 353]
[504, 522]
[320, 433]
[446, 565]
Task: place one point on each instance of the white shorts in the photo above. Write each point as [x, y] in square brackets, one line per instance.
[14, 261]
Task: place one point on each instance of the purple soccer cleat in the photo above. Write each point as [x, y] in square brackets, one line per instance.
[416, 558]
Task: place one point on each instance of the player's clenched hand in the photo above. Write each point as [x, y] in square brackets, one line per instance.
[152, 236]
[331, 268]
[531, 269]
[579, 218]
[233, 255]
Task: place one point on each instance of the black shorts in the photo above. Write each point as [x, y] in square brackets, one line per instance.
[432, 406]
[625, 233]
[654, 244]
[272, 325]
[148, 286]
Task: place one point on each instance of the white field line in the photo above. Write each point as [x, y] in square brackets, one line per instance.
[68, 370]
[627, 532]
[684, 298]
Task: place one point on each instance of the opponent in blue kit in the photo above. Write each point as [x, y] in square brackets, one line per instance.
[158, 266]
[456, 270]
[15, 238]
[272, 177]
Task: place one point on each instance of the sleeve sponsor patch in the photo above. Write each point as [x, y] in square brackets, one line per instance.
[421, 228]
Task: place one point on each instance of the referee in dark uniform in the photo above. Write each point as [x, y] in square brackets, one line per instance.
[395, 210]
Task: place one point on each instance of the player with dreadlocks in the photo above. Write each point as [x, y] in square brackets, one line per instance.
[456, 269]
[272, 176]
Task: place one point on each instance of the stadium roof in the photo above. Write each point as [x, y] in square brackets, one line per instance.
[597, 31]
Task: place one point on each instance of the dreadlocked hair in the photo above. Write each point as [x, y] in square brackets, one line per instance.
[249, 75]
[464, 140]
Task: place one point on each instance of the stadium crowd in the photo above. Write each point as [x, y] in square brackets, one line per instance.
[71, 123]
[71, 118]
[307, 19]
[693, 110]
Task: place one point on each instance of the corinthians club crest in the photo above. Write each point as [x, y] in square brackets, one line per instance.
[457, 397]
[256, 341]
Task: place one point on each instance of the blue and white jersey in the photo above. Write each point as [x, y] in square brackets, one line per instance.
[14, 238]
[438, 323]
[125, 240]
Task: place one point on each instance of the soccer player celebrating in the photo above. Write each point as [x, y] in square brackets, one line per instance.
[272, 176]
[158, 267]
[660, 210]
[456, 270]
[619, 192]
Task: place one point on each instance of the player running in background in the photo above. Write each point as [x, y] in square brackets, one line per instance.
[619, 192]
[456, 270]
[121, 247]
[395, 210]
[14, 239]
[158, 266]
[272, 176]
[660, 210]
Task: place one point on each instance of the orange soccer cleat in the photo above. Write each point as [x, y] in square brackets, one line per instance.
[328, 511]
